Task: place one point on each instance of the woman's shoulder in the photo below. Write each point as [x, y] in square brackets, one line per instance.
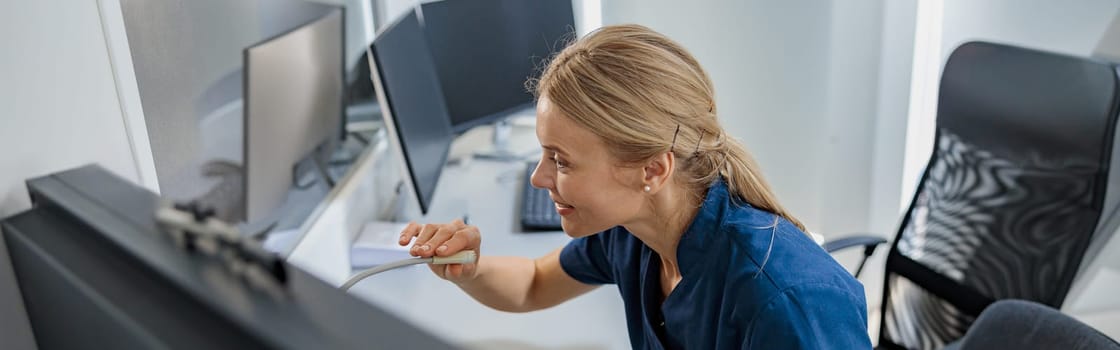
[771, 253]
[781, 268]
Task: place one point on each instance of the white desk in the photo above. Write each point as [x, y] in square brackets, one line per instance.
[488, 192]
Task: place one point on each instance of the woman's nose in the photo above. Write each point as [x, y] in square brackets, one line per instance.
[539, 179]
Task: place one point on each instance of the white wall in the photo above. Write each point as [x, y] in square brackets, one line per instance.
[587, 12]
[853, 89]
[390, 10]
[1108, 48]
[359, 27]
[59, 104]
[895, 67]
[1073, 27]
[59, 108]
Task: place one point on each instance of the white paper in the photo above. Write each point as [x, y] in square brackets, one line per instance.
[377, 244]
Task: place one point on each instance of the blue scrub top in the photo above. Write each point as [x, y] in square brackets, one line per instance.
[746, 284]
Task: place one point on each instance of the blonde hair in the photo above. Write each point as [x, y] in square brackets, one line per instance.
[644, 95]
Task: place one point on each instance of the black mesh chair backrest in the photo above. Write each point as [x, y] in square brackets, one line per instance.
[1012, 195]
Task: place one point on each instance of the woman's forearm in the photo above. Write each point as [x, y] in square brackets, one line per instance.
[503, 282]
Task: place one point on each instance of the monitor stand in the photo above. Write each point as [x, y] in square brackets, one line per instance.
[500, 149]
[312, 180]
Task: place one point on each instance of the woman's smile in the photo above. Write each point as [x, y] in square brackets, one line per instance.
[563, 209]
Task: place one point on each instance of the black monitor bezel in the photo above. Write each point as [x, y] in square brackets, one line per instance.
[389, 115]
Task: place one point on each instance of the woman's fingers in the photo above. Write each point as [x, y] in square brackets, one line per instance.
[465, 238]
[444, 240]
[456, 272]
[426, 233]
[437, 240]
[409, 231]
[420, 246]
[432, 236]
[451, 271]
[439, 270]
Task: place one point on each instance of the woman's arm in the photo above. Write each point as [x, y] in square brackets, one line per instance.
[517, 284]
[511, 284]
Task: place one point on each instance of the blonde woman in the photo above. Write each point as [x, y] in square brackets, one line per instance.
[664, 205]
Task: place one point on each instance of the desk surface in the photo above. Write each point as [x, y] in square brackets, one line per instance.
[489, 193]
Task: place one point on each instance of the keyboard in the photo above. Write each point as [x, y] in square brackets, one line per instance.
[538, 212]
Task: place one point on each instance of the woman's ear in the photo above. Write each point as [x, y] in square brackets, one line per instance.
[658, 171]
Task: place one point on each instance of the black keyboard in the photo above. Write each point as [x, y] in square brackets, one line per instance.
[538, 212]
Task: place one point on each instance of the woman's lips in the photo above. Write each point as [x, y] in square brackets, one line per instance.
[564, 209]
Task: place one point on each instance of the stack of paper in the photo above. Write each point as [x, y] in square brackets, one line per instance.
[377, 244]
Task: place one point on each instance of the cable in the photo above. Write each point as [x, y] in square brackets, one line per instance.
[322, 167]
[463, 257]
[296, 177]
[361, 138]
[390, 211]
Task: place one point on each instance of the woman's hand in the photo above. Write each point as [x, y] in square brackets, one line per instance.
[444, 240]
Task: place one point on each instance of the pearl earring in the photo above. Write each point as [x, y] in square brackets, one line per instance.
[647, 189]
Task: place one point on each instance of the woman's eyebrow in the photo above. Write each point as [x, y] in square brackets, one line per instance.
[555, 149]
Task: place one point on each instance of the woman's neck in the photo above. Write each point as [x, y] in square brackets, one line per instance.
[669, 214]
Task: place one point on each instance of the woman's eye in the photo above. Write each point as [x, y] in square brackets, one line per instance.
[559, 163]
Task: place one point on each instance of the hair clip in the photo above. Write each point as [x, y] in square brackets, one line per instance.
[698, 141]
[674, 144]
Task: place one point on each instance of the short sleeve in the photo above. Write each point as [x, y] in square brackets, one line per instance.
[814, 316]
[586, 260]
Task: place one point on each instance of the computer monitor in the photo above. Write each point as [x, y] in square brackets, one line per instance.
[292, 108]
[412, 104]
[94, 270]
[485, 50]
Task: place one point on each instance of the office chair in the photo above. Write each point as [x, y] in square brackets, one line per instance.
[1015, 191]
[1021, 324]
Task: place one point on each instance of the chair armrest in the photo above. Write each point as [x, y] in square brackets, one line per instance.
[869, 242]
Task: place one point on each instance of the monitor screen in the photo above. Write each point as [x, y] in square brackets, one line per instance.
[292, 107]
[412, 103]
[485, 50]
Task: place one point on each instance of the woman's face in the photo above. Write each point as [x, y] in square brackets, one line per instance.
[591, 192]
